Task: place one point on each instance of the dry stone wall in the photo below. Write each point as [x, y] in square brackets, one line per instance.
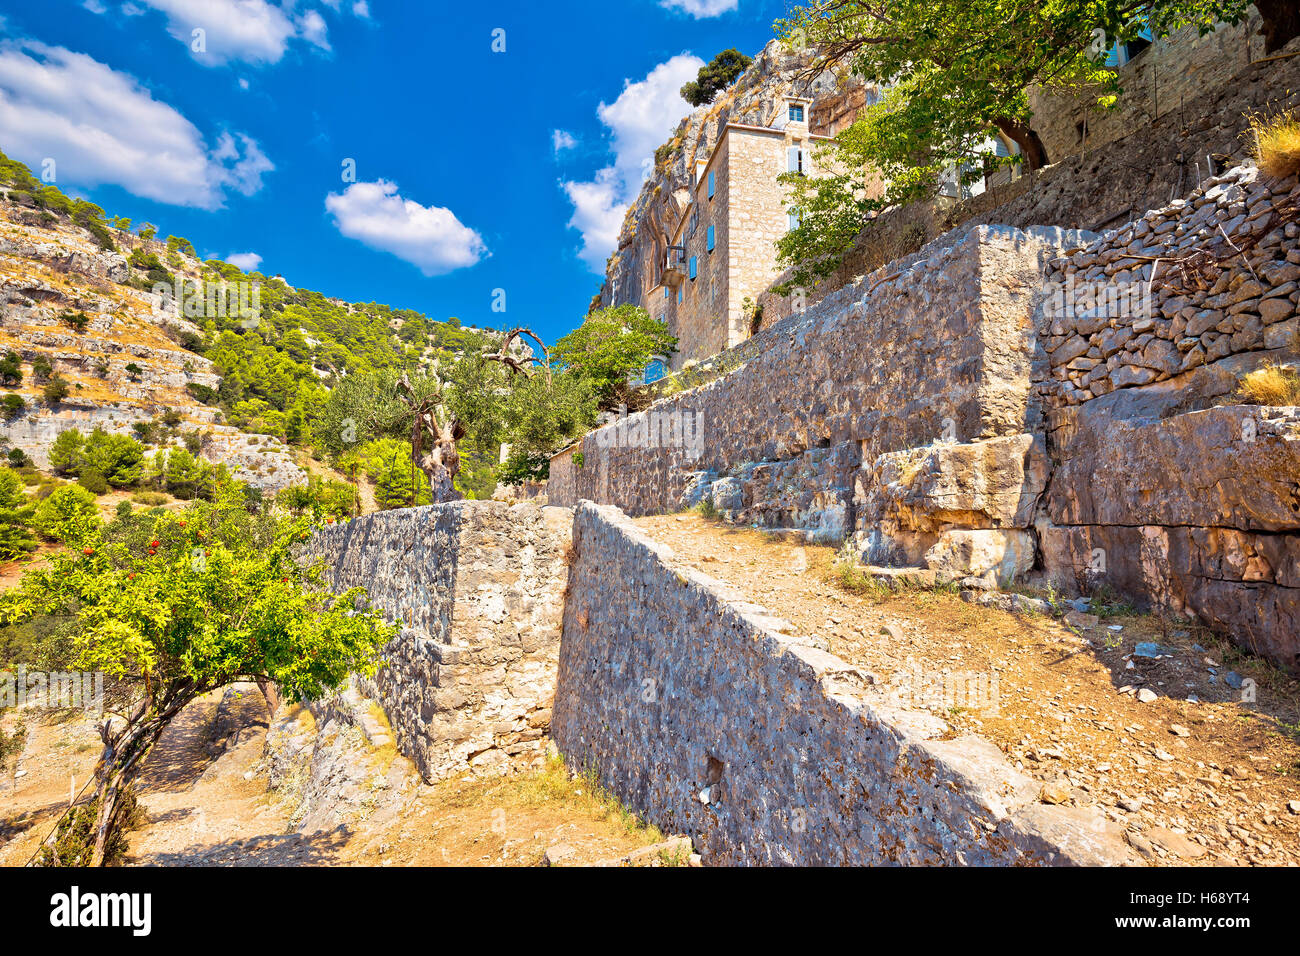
[477, 587]
[940, 348]
[1196, 281]
[697, 710]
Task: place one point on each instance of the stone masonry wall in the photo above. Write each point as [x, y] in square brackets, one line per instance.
[697, 711]
[477, 587]
[1135, 307]
[939, 349]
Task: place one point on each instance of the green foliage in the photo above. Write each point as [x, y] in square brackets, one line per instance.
[11, 369]
[117, 460]
[41, 369]
[11, 406]
[957, 73]
[176, 605]
[717, 75]
[610, 345]
[65, 452]
[68, 514]
[15, 517]
[56, 390]
[76, 320]
[323, 499]
[398, 483]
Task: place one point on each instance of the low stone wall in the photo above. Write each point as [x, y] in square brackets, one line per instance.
[695, 709]
[477, 587]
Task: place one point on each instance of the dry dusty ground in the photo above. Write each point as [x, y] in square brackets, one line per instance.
[1208, 780]
[207, 803]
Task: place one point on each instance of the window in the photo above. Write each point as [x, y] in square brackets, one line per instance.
[710, 185]
[796, 160]
[796, 113]
[680, 291]
[667, 292]
[793, 219]
[694, 267]
[709, 241]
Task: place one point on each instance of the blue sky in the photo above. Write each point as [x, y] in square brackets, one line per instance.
[475, 170]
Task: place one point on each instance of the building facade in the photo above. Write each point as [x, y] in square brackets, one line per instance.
[722, 250]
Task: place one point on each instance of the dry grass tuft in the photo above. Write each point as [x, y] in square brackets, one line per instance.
[1277, 144]
[1270, 385]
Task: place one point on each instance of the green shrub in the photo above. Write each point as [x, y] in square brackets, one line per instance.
[66, 514]
[93, 481]
[56, 390]
[15, 517]
[11, 406]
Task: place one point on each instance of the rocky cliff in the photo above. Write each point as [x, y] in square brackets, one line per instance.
[752, 100]
[67, 302]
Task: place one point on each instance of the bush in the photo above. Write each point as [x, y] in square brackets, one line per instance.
[1270, 385]
[720, 73]
[11, 406]
[11, 369]
[93, 481]
[1277, 144]
[150, 499]
[65, 453]
[76, 320]
[41, 369]
[66, 514]
[15, 517]
[56, 390]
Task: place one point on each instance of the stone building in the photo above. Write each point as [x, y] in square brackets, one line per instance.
[722, 251]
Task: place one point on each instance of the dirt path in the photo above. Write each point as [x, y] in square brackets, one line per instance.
[206, 802]
[1194, 773]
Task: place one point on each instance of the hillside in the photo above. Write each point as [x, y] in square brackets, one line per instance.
[78, 303]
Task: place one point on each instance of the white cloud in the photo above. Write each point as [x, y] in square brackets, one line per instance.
[642, 117]
[251, 31]
[429, 237]
[95, 6]
[701, 9]
[248, 261]
[313, 29]
[562, 140]
[102, 126]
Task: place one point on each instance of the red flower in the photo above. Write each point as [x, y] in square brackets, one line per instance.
[87, 550]
[153, 544]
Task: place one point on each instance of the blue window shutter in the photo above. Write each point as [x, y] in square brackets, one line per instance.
[693, 267]
[792, 159]
[710, 239]
[666, 291]
[711, 185]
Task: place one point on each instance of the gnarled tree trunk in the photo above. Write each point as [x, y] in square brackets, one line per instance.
[1023, 135]
[1281, 22]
